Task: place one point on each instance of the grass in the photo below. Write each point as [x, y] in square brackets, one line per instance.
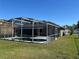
[76, 40]
[64, 48]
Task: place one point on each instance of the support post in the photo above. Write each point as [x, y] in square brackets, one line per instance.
[47, 31]
[38, 29]
[4, 31]
[21, 29]
[56, 33]
[12, 29]
[32, 31]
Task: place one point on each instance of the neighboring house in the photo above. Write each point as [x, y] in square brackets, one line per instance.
[67, 32]
[76, 31]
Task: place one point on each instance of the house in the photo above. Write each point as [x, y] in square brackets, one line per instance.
[31, 30]
[67, 31]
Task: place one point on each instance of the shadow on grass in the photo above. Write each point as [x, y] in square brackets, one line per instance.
[76, 40]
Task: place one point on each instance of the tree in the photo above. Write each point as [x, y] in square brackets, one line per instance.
[78, 25]
[74, 26]
[77, 28]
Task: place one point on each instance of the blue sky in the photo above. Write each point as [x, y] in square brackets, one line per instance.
[59, 11]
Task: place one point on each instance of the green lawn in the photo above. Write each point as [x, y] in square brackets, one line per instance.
[65, 48]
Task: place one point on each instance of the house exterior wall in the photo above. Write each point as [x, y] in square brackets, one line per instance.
[5, 29]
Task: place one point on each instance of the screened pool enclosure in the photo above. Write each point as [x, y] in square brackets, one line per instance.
[29, 30]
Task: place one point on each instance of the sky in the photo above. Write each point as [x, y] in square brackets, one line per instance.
[62, 12]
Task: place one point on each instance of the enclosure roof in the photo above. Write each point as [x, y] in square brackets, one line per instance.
[34, 20]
